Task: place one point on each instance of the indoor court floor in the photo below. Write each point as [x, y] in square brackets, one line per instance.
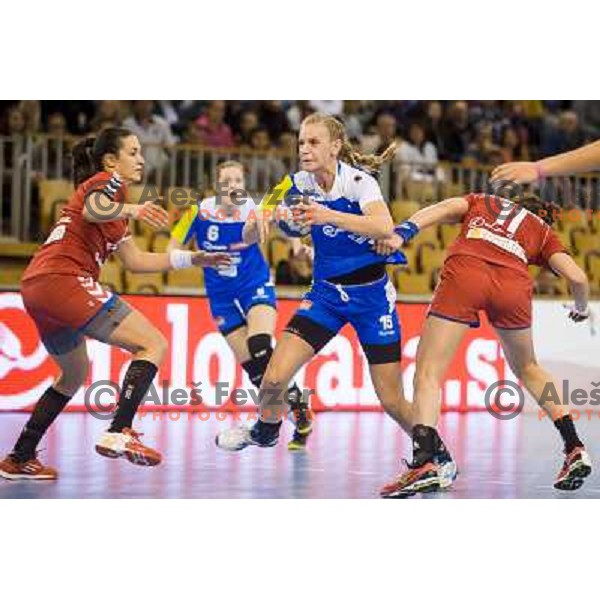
[350, 455]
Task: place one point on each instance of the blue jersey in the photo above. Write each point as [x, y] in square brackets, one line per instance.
[214, 231]
[337, 251]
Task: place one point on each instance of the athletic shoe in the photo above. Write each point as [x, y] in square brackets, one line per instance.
[575, 469]
[300, 412]
[238, 438]
[425, 478]
[127, 444]
[11, 468]
[298, 442]
[447, 469]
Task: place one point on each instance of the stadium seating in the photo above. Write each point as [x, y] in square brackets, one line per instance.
[144, 282]
[448, 233]
[111, 275]
[53, 192]
[186, 278]
[413, 283]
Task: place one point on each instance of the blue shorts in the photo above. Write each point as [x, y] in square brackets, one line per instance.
[370, 308]
[229, 310]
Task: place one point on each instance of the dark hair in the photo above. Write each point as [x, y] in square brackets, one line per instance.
[545, 210]
[89, 153]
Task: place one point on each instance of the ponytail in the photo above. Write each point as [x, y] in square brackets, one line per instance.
[88, 155]
[83, 162]
[547, 211]
[348, 154]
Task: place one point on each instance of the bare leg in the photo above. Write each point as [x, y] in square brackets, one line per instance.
[438, 345]
[387, 381]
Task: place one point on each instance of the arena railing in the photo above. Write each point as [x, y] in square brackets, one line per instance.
[27, 160]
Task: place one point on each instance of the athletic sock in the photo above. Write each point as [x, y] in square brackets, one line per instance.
[425, 440]
[256, 368]
[566, 428]
[49, 406]
[137, 380]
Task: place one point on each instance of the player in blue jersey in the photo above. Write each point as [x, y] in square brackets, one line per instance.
[346, 212]
[241, 295]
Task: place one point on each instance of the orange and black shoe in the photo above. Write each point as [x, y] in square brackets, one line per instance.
[127, 444]
[424, 478]
[575, 469]
[31, 469]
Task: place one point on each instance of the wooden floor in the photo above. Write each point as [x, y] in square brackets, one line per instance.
[350, 455]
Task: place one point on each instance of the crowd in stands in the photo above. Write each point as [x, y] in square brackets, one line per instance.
[427, 133]
[484, 132]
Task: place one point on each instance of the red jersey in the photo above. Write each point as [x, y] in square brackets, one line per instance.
[76, 246]
[502, 232]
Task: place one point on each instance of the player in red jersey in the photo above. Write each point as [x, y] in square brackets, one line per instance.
[486, 269]
[61, 293]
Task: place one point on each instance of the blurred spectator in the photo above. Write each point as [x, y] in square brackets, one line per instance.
[483, 146]
[109, 113]
[288, 144]
[489, 111]
[329, 107]
[272, 116]
[588, 112]
[511, 147]
[386, 130]
[52, 156]
[16, 124]
[352, 120]
[419, 155]
[216, 133]
[32, 113]
[456, 132]
[78, 113]
[297, 113]
[296, 270]
[57, 125]
[434, 113]
[153, 131]
[248, 123]
[562, 136]
[265, 170]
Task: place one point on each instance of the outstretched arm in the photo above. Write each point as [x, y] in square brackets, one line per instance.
[586, 158]
[565, 266]
[451, 210]
[137, 261]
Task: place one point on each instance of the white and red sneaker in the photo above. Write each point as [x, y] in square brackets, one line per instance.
[575, 469]
[32, 469]
[127, 444]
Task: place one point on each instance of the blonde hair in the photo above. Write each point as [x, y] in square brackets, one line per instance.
[228, 164]
[348, 154]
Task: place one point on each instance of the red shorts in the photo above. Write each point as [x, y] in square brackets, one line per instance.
[469, 284]
[62, 306]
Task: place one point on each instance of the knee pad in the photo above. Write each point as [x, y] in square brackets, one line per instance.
[259, 346]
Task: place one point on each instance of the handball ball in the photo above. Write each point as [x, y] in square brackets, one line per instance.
[289, 225]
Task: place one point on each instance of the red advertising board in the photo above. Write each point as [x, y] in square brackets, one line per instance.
[199, 355]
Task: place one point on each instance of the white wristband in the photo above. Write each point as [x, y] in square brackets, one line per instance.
[180, 259]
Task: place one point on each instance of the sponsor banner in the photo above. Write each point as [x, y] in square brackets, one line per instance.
[199, 358]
